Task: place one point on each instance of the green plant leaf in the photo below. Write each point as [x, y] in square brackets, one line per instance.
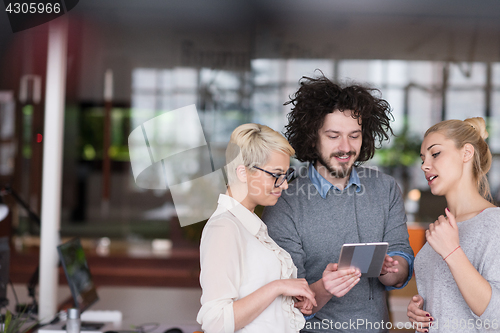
[14, 323]
[8, 318]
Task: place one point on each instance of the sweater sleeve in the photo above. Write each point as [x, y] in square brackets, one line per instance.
[220, 252]
[490, 270]
[492, 311]
[396, 231]
[282, 229]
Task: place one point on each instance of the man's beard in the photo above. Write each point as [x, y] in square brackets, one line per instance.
[343, 171]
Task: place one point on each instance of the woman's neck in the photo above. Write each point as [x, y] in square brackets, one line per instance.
[241, 198]
[466, 203]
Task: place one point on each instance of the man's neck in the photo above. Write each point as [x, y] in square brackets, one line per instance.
[340, 183]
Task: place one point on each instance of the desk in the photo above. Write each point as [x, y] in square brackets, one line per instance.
[57, 328]
[139, 305]
[169, 306]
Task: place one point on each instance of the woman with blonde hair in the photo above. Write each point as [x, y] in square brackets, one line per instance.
[458, 269]
[249, 283]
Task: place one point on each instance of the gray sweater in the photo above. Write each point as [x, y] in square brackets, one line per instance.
[480, 241]
[313, 229]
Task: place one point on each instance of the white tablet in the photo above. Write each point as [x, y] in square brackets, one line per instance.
[367, 257]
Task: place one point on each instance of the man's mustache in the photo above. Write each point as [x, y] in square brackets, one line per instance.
[341, 153]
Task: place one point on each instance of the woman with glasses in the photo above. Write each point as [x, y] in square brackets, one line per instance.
[249, 283]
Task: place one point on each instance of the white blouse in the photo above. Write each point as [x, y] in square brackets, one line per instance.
[238, 257]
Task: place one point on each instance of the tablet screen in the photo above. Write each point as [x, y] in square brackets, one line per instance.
[367, 257]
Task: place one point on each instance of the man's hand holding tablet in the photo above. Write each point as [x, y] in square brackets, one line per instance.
[370, 258]
[339, 281]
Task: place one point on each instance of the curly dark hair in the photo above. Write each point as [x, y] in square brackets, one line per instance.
[318, 97]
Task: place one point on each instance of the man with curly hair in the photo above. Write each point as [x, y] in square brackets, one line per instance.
[336, 201]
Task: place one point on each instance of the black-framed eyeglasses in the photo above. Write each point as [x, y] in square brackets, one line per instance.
[280, 177]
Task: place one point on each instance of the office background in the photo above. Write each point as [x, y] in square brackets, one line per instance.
[237, 61]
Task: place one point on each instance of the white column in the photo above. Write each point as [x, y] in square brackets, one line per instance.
[52, 168]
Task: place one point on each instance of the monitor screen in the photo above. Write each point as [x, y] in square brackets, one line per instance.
[78, 274]
[4, 270]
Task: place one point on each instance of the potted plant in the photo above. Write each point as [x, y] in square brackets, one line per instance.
[16, 323]
[400, 156]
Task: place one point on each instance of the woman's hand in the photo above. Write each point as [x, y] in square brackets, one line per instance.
[298, 288]
[246, 309]
[421, 319]
[304, 305]
[442, 235]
